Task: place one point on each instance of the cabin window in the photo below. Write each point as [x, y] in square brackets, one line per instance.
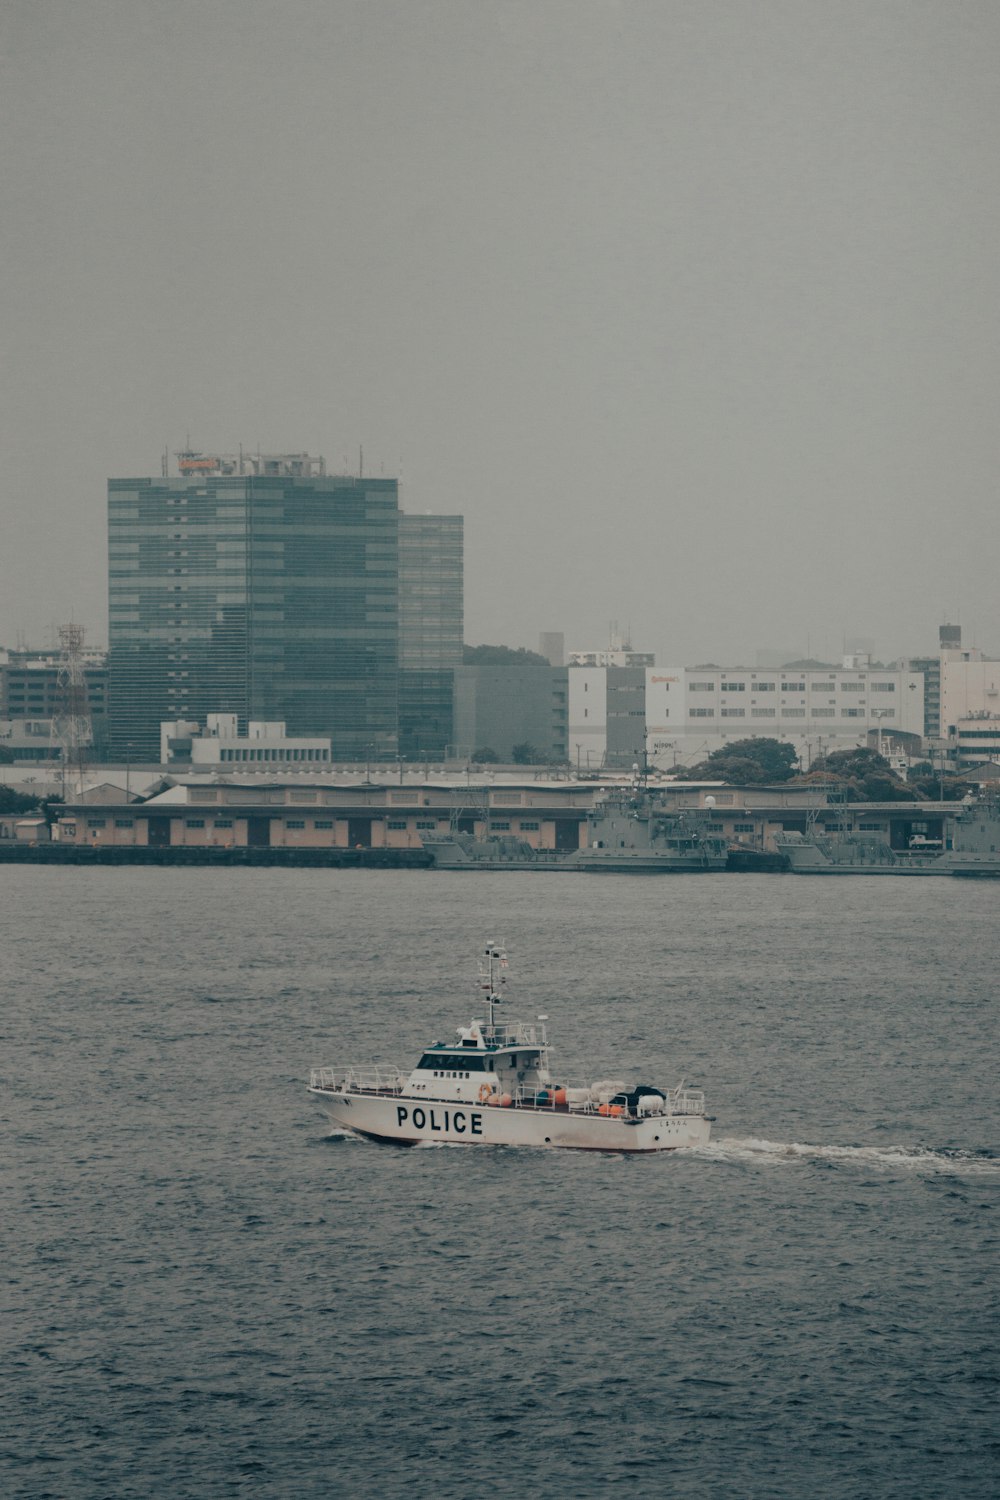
[447, 1065]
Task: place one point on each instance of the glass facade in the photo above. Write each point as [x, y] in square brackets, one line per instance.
[431, 631]
[269, 596]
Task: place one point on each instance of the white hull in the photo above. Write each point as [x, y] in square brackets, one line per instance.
[407, 1120]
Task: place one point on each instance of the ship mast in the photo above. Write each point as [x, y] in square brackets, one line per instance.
[492, 978]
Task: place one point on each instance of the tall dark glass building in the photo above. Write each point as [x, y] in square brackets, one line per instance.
[256, 586]
[431, 631]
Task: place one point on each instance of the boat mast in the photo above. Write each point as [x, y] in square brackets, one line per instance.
[492, 978]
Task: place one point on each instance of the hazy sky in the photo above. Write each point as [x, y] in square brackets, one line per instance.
[689, 306]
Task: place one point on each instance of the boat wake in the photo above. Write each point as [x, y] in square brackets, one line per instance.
[919, 1160]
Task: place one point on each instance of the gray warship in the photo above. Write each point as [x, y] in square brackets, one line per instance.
[970, 847]
[630, 832]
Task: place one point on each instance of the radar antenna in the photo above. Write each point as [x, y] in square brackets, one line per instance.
[492, 978]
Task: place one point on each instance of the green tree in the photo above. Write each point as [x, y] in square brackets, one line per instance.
[525, 754]
[867, 776]
[17, 802]
[753, 762]
[501, 656]
[931, 783]
[486, 756]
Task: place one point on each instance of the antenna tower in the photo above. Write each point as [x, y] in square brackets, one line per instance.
[71, 731]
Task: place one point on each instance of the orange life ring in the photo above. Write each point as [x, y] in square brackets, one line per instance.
[485, 1090]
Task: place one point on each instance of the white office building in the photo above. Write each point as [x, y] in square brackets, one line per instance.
[692, 711]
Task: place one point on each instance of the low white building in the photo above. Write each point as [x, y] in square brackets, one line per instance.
[692, 711]
[219, 744]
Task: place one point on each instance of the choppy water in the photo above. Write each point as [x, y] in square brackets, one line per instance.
[208, 1295]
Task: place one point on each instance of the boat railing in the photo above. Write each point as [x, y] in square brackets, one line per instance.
[679, 1101]
[519, 1034]
[369, 1078]
[685, 1101]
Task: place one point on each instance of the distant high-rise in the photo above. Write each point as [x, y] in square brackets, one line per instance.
[552, 645]
[431, 630]
[256, 586]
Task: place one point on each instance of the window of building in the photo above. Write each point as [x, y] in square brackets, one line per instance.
[395, 823]
[824, 713]
[793, 713]
[426, 823]
[123, 822]
[96, 822]
[223, 822]
[824, 687]
[743, 828]
[194, 823]
[702, 687]
[500, 827]
[734, 713]
[703, 713]
[793, 687]
[883, 687]
[734, 687]
[296, 823]
[766, 687]
[328, 823]
[852, 687]
[529, 827]
[854, 713]
[764, 713]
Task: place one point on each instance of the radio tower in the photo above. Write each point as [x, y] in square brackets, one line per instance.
[71, 731]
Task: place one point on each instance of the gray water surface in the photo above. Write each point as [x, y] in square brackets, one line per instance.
[208, 1295]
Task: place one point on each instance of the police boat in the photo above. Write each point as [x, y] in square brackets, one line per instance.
[495, 1087]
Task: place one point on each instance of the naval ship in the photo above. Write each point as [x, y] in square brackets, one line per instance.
[630, 832]
[970, 847]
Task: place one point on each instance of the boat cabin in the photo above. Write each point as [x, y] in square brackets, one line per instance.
[505, 1060]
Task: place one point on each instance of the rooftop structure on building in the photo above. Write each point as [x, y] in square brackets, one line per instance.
[617, 653]
[193, 465]
[612, 656]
